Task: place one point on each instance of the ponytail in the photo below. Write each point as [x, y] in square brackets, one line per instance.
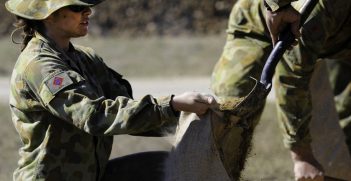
[29, 28]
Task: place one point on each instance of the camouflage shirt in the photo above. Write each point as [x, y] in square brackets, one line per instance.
[66, 108]
[326, 34]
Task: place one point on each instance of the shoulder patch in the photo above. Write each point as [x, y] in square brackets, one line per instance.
[58, 82]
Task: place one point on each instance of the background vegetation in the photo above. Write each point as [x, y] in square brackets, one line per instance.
[150, 17]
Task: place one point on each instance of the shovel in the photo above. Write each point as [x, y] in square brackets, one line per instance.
[245, 106]
[240, 113]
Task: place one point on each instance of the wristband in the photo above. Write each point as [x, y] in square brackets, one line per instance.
[176, 113]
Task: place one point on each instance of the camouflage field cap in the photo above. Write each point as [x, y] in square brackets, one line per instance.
[41, 9]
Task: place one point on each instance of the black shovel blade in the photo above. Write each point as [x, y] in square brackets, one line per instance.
[246, 108]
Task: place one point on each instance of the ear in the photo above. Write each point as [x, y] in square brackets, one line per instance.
[49, 21]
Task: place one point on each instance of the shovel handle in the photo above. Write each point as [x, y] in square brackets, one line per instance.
[286, 39]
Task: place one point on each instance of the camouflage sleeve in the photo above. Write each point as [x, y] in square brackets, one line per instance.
[118, 77]
[293, 96]
[112, 80]
[276, 4]
[66, 94]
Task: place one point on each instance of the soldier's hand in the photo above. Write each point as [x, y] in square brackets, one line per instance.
[276, 21]
[193, 102]
[306, 167]
[305, 171]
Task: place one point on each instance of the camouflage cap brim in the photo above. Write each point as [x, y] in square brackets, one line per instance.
[39, 10]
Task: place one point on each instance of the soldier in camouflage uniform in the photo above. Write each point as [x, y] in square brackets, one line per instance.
[325, 35]
[67, 104]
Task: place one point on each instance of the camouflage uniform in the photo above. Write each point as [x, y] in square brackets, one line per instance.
[67, 106]
[325, 35]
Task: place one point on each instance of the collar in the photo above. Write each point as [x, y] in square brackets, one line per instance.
[52, 43]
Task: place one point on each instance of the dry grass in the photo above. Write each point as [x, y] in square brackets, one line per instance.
[268, 160]
[9, 144]
[8, 53]
[143, 57]
[155, 56]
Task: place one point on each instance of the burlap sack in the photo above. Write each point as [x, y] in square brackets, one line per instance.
[328, 139]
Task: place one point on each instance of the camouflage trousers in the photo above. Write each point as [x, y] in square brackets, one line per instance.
[325, 35]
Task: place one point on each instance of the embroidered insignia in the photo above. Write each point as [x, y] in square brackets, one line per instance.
[58, 81]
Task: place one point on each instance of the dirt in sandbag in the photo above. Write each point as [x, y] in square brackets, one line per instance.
[230, 104]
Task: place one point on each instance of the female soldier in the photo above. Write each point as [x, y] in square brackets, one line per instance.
[67, 104]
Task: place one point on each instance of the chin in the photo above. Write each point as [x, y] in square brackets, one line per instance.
[80, 34]
[84, 34]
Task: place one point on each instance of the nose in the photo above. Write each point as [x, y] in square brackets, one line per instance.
[87, 11]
